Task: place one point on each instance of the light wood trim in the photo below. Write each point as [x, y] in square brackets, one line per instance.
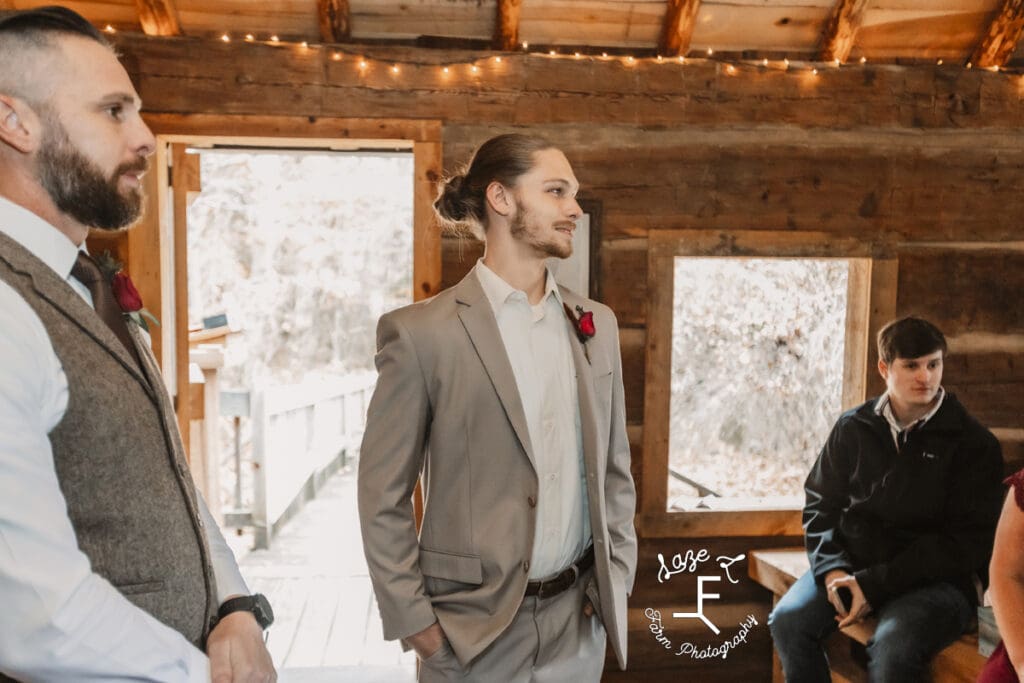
[506, 25]
[282, 131]
[146, 252]
[1000, 40]
[841, 28]
[426, 265]
[335, 24]
[185, 180]
[884, 286]
[654, 520]
[677, 28]
[158, 17]
[856, 349]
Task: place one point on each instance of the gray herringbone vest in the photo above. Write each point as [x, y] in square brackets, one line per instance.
[119, 458]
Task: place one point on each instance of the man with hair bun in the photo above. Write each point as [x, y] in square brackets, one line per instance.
[111, 566]
[504, 396]
[901, 512]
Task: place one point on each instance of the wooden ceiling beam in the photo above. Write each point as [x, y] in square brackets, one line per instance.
[677, 29]
[335, 20]
[841, 29]
[506, 25]
[1000, 41]
[158, 17]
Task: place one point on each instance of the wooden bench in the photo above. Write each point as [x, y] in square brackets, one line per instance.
[779, 569]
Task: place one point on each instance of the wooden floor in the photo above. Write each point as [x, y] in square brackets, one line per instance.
[327, 625]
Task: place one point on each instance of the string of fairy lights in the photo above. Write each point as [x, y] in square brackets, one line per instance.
[731, 65]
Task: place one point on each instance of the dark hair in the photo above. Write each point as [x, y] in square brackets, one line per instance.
[909, 337]
[460, 199]
[35, 24]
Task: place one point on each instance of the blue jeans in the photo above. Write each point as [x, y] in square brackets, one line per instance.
[911, 630]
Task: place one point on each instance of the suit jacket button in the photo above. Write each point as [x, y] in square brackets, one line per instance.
[526, 566]
[532, 501]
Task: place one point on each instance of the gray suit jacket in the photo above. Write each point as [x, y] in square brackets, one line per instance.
[446, 407]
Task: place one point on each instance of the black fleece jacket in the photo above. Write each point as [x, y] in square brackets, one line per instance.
[899, 520]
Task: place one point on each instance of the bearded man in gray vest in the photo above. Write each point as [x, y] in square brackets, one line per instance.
[111, 566]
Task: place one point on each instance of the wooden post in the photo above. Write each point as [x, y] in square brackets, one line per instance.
[677, 29]
[262, 529]
[841, 29]
[185, 179]
[206, 470]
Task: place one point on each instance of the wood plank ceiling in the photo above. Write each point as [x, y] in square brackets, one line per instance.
[985, 33]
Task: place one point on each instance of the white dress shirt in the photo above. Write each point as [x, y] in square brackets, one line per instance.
[536, 339]
[883, 407]
[58, 620]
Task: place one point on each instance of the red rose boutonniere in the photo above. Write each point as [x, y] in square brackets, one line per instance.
[125, 294]
[583, 322]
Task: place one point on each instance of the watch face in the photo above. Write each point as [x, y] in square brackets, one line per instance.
[262, 611]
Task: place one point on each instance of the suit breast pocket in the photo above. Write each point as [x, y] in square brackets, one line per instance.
[445, 573]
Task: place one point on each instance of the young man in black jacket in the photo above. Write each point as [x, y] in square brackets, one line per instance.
[901, 511]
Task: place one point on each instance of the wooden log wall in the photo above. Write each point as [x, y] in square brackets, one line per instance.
[929, 158]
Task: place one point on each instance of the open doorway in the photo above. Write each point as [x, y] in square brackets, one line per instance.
[292, 257]
[328, 624]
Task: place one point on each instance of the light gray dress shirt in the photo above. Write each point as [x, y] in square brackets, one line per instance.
[536, 339]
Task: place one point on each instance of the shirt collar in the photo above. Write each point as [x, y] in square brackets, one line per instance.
[44, 241]
[499, 292]
[883, 407]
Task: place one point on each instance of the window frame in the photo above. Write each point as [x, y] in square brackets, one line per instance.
[871, 302]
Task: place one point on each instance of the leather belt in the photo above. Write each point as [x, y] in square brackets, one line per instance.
[564, 580]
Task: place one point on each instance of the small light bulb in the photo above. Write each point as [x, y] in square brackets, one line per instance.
[730, 69]
[109, 29]
[363, 64]
[394, 69]
[814, 71]
[249, 37]
[336, 56]
[444, 70]
[863, 60]
[474, 68]
[682, 59]
[630, 59]
[576, 55]
[226, 38]
[938, 63]
[659, 59]
[274, 39]
[764, 62]
[498, 60]
[605, 55]
[304, 45]
[837, 61]
[526, 46]
[710, 52]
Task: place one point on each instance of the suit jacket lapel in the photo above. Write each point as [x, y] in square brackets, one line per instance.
[478, 318]
[59, 294]
[585, 389]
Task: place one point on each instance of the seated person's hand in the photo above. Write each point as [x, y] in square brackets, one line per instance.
[428, 641]
[837, 582]
[237, 653]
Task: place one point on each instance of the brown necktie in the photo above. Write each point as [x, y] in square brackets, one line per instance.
[88, 273]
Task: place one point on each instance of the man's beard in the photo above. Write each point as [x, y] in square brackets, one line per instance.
[522, 232]
[77, 185]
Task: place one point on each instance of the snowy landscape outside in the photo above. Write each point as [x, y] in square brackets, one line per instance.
[757, 371]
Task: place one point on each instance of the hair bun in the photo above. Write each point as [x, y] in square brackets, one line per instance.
[450, 202]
